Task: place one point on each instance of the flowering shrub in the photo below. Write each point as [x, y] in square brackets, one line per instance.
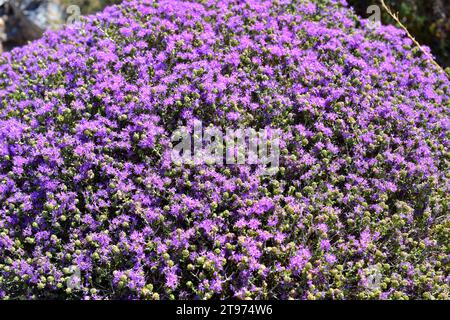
[359, 207]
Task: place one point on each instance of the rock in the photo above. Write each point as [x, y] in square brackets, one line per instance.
[2, 34]
[26, 20]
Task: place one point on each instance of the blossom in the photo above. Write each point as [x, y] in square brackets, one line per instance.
[87, 183]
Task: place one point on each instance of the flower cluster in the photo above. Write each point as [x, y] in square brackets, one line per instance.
[87, 183]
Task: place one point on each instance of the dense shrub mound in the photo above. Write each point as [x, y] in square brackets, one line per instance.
[358, 209]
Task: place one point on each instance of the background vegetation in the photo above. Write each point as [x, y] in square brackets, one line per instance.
[427, 20]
